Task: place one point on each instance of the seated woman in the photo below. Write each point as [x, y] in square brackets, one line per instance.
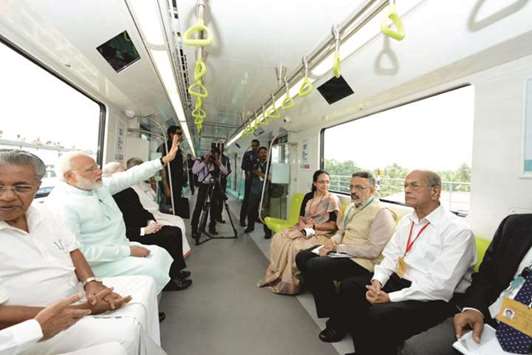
[317, 223]
[142, 227]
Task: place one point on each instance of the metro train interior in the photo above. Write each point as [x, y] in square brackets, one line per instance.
[386, 86]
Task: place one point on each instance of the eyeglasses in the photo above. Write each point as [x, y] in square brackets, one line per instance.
[358, 187]
[17, 189]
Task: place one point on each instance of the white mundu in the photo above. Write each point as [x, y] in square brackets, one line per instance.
[36, 270]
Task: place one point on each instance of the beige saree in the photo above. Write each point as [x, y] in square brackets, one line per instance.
[282, 274]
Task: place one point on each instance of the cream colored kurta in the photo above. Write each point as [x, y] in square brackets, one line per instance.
[97, 222]
[364, 232]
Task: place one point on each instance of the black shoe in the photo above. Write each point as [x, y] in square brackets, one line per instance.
[249, 230]
[242, 223]
[267, 236]
[331, 335]
[212, 231]
[220, 221]
[162, 316]
[183, 274]
[177, 285]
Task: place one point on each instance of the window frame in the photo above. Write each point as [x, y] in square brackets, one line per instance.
[103, 108]
[387, 108]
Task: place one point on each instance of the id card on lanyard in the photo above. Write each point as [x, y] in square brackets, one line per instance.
[402, 266]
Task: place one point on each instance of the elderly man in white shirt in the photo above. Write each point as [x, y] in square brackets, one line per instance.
[47, 323]
[40, 263]
[86, 203]
[430, 257]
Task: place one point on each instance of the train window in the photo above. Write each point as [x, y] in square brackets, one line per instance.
[434, 133]
[44, 115]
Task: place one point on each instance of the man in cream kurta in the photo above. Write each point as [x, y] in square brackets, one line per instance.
[86, 202]
[364, 229]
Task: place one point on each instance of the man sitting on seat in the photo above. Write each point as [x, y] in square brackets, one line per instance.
[46, 324]
[90, 212]
[509, 253]
[142, 227]
[429, 257]
[364, 230]
[40, 264]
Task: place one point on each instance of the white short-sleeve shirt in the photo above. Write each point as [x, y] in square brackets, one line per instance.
[39, 261]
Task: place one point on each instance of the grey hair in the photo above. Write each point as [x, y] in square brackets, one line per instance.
[365, 175]
[21, 157]
[131, 162]
[111, 168]
[64, 164]
[433, 179]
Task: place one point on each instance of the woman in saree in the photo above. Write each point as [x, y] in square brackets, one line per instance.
[317, 223]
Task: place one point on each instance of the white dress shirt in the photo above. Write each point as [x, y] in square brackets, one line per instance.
[38, 260]
[203, 170]
[14, 339]
[440, 261]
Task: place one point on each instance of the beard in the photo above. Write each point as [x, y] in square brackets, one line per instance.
[86, 184]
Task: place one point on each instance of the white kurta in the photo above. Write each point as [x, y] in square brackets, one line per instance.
[97, 222]
[36, 270]
[147, 199]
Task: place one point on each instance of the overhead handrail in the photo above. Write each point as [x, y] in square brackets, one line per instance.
[197, 28]
[399, 33]
[274, 112]
[337, 68]
[200, 69]
[306, 85]
[287, 102]
[197, 89]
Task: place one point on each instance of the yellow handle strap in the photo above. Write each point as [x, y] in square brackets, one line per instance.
[197, 89]
[397, 34]
[197, 42]
[198, 103]
[200, 69]
[306, 87]
[337, 68]
[287, 103]
[199, 114]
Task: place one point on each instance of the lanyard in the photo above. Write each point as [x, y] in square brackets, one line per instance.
[357, 212]
[409, 243]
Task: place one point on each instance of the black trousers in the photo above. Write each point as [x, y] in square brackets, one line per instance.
[319, 274]
[203, 194]
[191, 183]
[379, 329]
[245, 201]
[169, 238]
[253, 213]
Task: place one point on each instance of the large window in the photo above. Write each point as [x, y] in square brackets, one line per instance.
[42, 114]
[435, 133]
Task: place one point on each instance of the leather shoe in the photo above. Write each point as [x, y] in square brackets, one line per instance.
[162, 316]
[331, 335]
[267, 236]
[183, 274]
[242, 224]
[249, 230]
[177, 285]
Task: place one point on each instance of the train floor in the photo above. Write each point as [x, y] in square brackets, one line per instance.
[225, 313]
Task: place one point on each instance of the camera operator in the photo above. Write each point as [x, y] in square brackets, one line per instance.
[209, 172]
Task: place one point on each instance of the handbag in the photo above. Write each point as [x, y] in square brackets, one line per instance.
[182, 208]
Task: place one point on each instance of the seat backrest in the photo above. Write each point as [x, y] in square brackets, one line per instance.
[293, 209]
[482, 246]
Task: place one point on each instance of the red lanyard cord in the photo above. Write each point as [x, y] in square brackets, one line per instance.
[409, 243]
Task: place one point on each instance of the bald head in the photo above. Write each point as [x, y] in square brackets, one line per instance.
[422, 190]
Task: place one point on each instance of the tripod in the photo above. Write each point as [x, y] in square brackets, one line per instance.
[205, 213]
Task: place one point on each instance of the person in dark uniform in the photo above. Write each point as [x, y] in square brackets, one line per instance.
[191, 180]
[248, 163]
[223, 184]
[176, 168]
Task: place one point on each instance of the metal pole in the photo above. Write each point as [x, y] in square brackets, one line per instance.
[268, 163]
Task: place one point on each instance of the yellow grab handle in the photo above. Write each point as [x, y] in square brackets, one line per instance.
[287, 103]
[305, 88]
[197, 42]
[337, 68]
[273, 113]
[397, 34]
[198, 103]
[198, 113]
[197, 89]
[200, 69]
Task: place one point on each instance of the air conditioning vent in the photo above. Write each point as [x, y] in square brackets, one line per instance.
[335, 90]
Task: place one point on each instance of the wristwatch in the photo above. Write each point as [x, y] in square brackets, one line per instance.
[90, 279]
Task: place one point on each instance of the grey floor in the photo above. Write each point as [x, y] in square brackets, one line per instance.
[224, 313]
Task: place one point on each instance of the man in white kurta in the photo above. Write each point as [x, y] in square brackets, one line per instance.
[86, 203]
[40, 264]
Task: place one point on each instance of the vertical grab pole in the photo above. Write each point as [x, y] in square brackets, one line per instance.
[268, 163]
